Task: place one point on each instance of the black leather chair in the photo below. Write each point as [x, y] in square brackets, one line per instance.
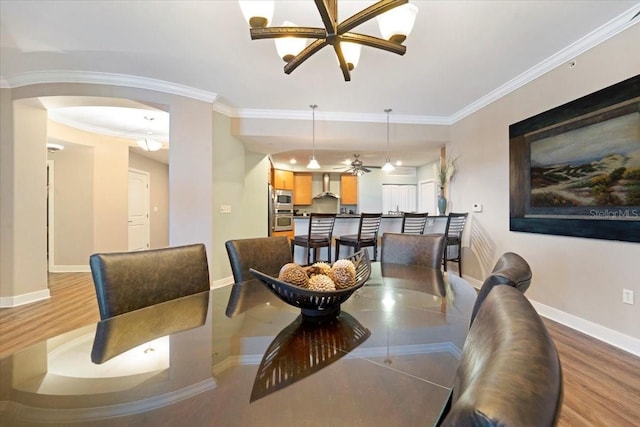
[413, 249]
[453, 231]
[265, 254]
[367, 235]
[414, 223]
[510, 373]
[512, 270]
[127, 281]
[319, 235]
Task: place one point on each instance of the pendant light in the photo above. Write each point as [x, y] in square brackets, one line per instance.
[388, 167]
[313, 163]
[148, 143]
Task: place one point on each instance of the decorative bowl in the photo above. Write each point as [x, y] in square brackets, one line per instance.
[318, 304]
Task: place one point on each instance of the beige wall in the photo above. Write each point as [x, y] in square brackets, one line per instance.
[159, 197]
[582, 278]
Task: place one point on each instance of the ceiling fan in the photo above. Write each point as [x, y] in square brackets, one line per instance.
[357, 167]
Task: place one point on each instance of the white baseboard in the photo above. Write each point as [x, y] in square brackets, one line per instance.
[70, 268]
[14, 301]
[599, 332]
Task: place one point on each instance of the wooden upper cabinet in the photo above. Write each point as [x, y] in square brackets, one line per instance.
[302, 188]
[282, 180]
[348, 189]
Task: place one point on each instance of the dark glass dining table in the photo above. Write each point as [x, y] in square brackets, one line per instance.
[239, 356]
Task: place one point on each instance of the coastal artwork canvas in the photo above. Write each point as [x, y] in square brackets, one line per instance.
[594, 166]
[575, 169]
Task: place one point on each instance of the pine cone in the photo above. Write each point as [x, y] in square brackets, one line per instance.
[294, 274]
[343, 274]
[321, 282]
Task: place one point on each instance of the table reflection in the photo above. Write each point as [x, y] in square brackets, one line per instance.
[304, 348]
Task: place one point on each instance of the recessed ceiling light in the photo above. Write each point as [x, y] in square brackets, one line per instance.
[398, 163]
[293, 161]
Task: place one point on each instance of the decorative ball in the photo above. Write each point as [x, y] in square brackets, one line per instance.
[321, 282]
[294, 274]
[324, 267]
[343, 274]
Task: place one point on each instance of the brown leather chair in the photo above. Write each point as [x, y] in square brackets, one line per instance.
[127, 281]
[414, 223]
[319, 235]
[424, 250]
[512, 270]
[453, 250]
[367, 235]
[265, 254]
[510, 373]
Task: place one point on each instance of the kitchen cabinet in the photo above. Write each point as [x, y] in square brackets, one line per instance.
[290, 234]
[282, 179]
[302, 188]
[348, 189]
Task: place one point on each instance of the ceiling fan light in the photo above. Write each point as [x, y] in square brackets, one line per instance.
[396, 24]
[258, 13]
[388, 167]
[351, 53]
[313, 163]
[289, 47]
[148, 144]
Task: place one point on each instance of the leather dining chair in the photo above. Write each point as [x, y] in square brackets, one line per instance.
[367, 235]
[319, 235]
[509, 373]
[265, 254]
[413, 223]
[453, 231]
[511, 270]
[127, 281]
[423, 250]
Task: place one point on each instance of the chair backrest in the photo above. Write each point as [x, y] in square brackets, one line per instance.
[509, 373]
[414, 249]
[127, 281]
[455, 225]
[265, 254]
[321, 225]
[512, 270]
[414, 223]
[369, 225]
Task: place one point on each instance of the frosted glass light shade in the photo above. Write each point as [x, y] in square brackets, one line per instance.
[388, 167]
[258, 13]
[289, 47]
[396, 24]
[313, 163]
[351, 53]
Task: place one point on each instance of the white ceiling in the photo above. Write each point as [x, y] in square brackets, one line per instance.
[460, 56]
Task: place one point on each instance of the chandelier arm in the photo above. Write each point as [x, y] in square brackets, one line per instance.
[305, 54]
[376, 42]
[278, 32]
[343, 63]
[328, 10]
[366, 14]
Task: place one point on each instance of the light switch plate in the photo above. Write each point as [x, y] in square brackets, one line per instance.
[225, 209]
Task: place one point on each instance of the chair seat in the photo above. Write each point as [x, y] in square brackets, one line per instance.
[311, 239]
[353, 238]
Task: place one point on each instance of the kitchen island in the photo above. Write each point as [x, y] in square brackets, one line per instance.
[348, 224]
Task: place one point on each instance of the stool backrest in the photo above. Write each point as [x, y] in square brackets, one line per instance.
[369, 225]
[414, 223]
[455, 225]
[127, 281]
[321, 225]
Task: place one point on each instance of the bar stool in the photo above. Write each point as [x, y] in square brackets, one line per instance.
[453, 233]
[318, 236]
[414, 223]
[367, 235]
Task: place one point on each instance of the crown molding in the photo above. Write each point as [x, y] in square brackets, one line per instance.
[591, 40]
[91, 77]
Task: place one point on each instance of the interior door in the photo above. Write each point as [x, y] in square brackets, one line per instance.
[427, 197]
[139, 234]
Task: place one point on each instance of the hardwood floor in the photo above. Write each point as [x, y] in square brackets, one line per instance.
[601, 382]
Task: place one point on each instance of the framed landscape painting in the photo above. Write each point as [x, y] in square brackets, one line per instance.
[575, 169]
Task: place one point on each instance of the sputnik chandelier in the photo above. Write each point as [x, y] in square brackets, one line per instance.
[395, 20]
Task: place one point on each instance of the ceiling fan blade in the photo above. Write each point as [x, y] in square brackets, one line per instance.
[365, 169]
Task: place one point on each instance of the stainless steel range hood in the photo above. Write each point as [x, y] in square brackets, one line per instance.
[326, 188]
